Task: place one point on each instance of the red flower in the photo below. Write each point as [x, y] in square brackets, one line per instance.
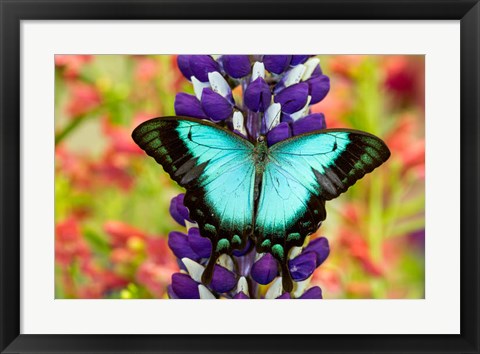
[84, 98]
[69, 244]
[113, 169]
[155, 277]
[405, 79]
[404, 142]
[72, 64]
[146, 69]
[120, 137]
[120, 232]
[359, 249]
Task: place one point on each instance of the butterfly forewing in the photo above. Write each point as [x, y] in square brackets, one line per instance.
[215, 167]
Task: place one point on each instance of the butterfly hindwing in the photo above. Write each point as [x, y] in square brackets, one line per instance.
[215, 167]
[302, 173]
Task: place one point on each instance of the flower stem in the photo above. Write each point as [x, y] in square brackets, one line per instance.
[74, 123]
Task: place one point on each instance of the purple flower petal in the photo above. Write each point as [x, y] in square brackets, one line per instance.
[240, 133]
[299, 59]
[183, 62]
[178, 243]
[236, 66]
[241, 296]
[184, 286]
[417, 239]
[309, 123]
[279, 133]
[316, 72]
[223, 280]
[286, 118]
[239, 253]
[265, 269]
[257, 96]
[312, 293]
[215, 105]
[318, 88]
[320, 247]
[171, 293]
[284, 296]
[178, 210]
[302, 266]
[201, 65]
[189, 106]
[200, 245]
[293, 98]
[276, 64]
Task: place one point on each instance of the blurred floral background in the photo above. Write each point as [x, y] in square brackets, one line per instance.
[112, 202]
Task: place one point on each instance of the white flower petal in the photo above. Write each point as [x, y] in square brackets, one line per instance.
[272, 115]
[189, 224]
[242, 286]
[303, 112]
[300, 287]
[218, 83]
[275, 290]
[198, 86]
[226, 261]
[205, 294]
[294, 252]
[310, 65]
[194, 269]
[258, 71]
[294, 75]
[239, 122]
[258, 256]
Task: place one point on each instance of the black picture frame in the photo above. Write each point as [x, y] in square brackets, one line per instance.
[14, 11]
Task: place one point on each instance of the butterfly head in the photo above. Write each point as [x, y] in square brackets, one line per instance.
[261, 139]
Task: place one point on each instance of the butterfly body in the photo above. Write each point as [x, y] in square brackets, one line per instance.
[238, 190]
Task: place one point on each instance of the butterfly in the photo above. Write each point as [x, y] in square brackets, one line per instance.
[237, 190]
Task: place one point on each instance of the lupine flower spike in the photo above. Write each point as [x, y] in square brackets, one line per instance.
[278, 91]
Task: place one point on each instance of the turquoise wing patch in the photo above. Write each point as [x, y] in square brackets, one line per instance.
[301, 174]
[216, 168]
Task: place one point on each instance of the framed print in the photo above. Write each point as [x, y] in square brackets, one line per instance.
[156, 155]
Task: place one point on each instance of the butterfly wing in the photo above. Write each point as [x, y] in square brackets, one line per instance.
[302, 173]
[215, 167]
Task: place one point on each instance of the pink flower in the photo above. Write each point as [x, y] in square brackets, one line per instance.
[404, 142]
[83, 98]
[120, 232]
[120, 136]
[405, 79]
[146, 69]
[359, 249]
[155, 277]
[69, 244]
[72, 64]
